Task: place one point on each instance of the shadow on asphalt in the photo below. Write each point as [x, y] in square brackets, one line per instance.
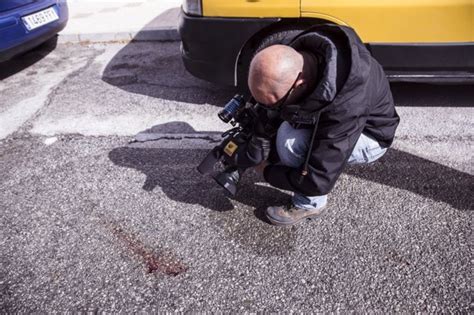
[23, 61]
[160, 73]
[431, 180]
[173, 127]
[173, 170]
[155, 69]
[183, 165]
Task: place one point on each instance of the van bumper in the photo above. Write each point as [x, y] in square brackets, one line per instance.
[206, 51]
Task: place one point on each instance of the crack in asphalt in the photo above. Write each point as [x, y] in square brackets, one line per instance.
[208, 138]
[54, 91]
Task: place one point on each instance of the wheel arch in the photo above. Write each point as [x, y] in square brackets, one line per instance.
[253, 44]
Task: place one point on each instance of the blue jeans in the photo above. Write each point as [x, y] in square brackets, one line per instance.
[292, 146]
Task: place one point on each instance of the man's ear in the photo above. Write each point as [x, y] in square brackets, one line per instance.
[301, 83]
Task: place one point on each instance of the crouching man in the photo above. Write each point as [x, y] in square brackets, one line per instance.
[336, 107]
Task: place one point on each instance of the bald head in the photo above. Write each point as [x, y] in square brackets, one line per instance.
[273, 71]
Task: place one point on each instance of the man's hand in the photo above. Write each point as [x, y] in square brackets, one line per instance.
[258, 148]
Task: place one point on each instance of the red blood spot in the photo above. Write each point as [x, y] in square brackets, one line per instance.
[163, 262]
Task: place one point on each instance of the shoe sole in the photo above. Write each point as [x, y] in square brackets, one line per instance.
[280, 223]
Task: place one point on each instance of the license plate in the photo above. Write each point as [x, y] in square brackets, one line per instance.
[40, 18]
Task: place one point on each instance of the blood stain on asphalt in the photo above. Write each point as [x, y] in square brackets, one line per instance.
[162, 262]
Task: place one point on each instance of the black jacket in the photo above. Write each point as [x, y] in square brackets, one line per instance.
[352, 96]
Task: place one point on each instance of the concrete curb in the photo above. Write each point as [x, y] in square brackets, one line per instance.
[156, 34]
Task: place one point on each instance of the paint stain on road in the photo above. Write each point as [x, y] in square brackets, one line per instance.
[155, 262]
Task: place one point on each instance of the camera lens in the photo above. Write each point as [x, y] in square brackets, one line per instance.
[225, 116]
[231, 108]
[228, 180]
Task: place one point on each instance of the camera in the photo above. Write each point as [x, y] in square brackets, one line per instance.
[232, 152]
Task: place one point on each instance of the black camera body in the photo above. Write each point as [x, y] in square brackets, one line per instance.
[245, 117]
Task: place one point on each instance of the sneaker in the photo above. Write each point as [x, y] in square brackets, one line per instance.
[288, 215]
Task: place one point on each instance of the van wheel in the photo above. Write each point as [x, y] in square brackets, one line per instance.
[277, 37]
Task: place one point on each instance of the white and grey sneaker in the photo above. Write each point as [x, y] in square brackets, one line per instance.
[289, 214]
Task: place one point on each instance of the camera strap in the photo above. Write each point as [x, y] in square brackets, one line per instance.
[293, 115]
[304, 170]
[298, 115]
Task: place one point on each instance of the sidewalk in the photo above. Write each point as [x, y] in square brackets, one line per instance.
[115, 20]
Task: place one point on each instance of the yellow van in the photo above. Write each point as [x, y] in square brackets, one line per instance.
[414, 40]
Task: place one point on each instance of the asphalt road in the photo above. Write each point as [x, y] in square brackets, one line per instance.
[92, 222]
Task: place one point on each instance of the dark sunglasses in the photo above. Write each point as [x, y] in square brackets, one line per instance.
[277, 106]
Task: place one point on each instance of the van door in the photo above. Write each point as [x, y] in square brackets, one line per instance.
[251, 8]
[399, 21]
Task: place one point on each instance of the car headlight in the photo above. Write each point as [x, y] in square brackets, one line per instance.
[192, 7]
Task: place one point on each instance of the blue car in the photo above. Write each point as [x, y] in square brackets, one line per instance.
[25, 24]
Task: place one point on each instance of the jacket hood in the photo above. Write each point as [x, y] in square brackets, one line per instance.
[325, 49]
[337, 48]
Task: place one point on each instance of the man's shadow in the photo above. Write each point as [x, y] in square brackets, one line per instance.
[174, 171]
